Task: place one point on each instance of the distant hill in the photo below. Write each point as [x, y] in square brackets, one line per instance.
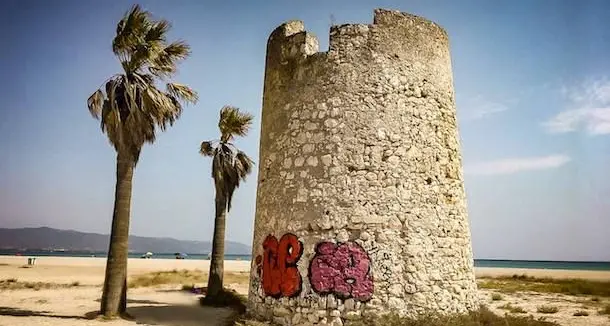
[47, 238]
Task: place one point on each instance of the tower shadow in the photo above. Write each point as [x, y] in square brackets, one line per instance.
[16, 312]
[184, 315]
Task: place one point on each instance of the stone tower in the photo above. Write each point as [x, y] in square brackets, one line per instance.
[361, 205]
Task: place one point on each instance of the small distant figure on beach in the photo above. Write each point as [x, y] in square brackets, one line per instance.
[147, 255]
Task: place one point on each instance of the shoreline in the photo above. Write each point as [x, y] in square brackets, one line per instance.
[90, 267]
[478, 263]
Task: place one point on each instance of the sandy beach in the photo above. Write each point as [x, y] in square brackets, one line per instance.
[162, 304]
[90, 270]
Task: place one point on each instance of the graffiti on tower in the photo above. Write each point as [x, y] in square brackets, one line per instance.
[280, 276]
[343, 270]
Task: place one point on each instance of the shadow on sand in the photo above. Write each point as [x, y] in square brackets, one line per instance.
[168, 315]
[183, 315]
[139, 301]
[15, 312]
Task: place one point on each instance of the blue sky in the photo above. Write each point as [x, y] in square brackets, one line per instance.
[532, 80]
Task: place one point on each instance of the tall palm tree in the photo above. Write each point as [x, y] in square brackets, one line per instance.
[132, 109]
[230, 166]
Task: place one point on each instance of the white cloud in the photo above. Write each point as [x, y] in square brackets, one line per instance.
[595, 121]
[590, 109]
[515, 165]
[478, 107]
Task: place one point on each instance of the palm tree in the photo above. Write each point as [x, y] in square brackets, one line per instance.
[132, 109]
[230, 166]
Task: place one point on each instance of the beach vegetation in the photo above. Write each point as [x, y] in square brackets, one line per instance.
[167, 277]
[132, 110]
[523, 283]
[14, 284]
[482, 317]
[496, 297]
[590, 303]
[187, 279]
[547, 309]
[230, 166]
[513, 309]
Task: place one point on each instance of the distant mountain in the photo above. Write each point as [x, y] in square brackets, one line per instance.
[47, 238]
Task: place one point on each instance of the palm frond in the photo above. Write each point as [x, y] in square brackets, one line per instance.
[172, 112]
[243, 164]
[206, 149]
[129, 105]
[182, 92]
[164, 61]
[233, 122]
[157, 32]
[95, 102]
[131, 31]
[229, 168]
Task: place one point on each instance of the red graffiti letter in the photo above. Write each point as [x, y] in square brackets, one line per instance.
[280, 274]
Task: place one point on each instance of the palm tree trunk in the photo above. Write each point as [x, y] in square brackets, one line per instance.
[114, 295]
[215, 281]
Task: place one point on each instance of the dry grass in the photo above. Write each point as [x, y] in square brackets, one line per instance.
[496, 297]
[513, 309]
[581, 313]
[187, 278]
[483, 317]
[605, 310]
[522, 283]
[547, 309]
[168, 277]
[14, 284]
[589, 303]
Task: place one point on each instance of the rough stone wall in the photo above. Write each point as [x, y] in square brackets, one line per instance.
[360, 206]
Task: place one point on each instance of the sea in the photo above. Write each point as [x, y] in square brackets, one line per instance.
[527, 264]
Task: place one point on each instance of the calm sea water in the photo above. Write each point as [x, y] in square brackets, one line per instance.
[569, 265]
